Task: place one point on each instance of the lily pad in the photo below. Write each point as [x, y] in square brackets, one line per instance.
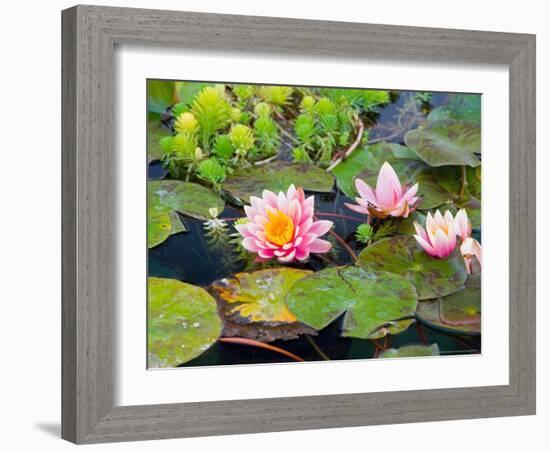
[191, 199]
[259, 296]
[161, 226]
[182, 322]
[401, 254]
[459, 107]
[276, 177]
[447, 143]
[409, 351]
[160, 94]
[155, 132]
[458, 313]
[252, 305]
[372, 302]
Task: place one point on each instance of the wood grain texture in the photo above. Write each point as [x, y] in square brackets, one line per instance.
[89, 37]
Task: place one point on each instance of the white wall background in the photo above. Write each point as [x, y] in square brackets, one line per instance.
[30, 205]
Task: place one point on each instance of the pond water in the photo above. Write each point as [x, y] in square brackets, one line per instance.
[195, 258]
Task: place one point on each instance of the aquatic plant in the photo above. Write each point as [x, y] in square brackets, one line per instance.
[186, 123]
[282, 226]
[439, 237]
[276, 95]
[390, 197]
[223, 148]
[262, 109]
[364, 233]
[307, 104]
[212, 172]
[212, 112]
[267, 135]
[242, 140]
[243, 92]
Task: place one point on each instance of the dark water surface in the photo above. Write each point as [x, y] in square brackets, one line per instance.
[193, 257]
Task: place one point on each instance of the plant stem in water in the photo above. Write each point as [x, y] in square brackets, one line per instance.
[343, 244]
[464, 182]
[253, 343]
[316, 347]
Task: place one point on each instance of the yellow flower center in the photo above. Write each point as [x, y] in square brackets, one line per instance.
[279, 229]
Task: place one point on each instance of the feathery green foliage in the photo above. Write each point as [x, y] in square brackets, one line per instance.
[243, 92]
[372, 98]
[267, 135]
[276, 95]
[223, 148]
[186, 123]
[242, 139]
[262, 109]
[364, 233]
[212, 112]
[211, 171]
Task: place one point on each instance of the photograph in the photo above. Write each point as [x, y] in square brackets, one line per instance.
[308, 223]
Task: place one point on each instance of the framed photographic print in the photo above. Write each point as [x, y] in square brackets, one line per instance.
[264, 229]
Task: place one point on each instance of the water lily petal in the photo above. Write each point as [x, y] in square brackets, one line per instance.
[288, 258]
[365, 191]
[388, 187]
[357, 208]
[320, 227]
[320, 246]
[425, 245]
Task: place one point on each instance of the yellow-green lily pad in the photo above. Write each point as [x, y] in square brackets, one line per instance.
[276, 177]
[259, 296]
[182, 322]
[190, 199]
[155, 132]
[401, 254]
[447, 143]
[161, 226]
[371, 302]
[410, 351]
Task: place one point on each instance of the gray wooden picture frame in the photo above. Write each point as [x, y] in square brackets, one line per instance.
[90, 34]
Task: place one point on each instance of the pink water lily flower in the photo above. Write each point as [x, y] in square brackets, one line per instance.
[439, 237]
[390, 197]
[282, 226]
[470, 248]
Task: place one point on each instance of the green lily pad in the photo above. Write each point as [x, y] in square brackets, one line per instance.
[182, 322]
[372, 302]
[259, 296]
[155, 132]
[459, 107]
[401, 254]
[160, 94]
[191, 199]
[458, 313]
[447, 143]
[409, 351]
[161, 226]
[276, 177]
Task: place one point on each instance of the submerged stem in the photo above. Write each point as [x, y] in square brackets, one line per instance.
[253, 343]
[464, 182]
[317, 348]
[343, 244]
